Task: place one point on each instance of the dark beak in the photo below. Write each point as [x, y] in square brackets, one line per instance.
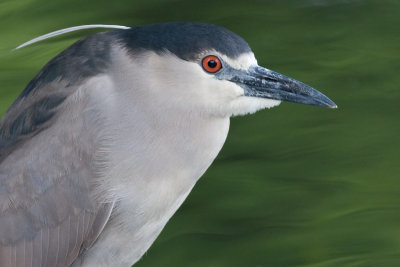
[261, 82]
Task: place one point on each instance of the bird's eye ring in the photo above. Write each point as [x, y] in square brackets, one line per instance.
[211, 64]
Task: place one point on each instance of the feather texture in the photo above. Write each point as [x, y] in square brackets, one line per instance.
[49, 161]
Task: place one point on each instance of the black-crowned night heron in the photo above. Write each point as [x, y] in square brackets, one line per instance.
[106, 142]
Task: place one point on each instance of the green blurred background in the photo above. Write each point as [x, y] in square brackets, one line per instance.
[293, 186]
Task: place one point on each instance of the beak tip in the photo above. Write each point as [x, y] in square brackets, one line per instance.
[328, 103]
[334, 106]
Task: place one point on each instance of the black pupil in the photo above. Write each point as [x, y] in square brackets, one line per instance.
[212, 63]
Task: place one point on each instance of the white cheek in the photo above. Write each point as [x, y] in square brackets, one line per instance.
[227, 99]
[222, 91]
[248, 105]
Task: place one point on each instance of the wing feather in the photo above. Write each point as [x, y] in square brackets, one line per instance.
[49, 212]
[55, 228]
[49, 142]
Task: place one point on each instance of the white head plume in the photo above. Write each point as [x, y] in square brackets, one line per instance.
[70, 29]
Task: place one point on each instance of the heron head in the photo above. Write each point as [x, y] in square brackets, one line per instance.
[211, 69]
[192, 66]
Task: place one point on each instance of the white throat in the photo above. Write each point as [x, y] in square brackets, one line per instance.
[156, 155]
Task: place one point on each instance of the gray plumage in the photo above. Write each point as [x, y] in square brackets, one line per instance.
[48, 215]
[106, 142]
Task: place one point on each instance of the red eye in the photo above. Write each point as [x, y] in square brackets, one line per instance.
[211, 64]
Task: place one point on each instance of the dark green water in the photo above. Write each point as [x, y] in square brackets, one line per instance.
[295, 185]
